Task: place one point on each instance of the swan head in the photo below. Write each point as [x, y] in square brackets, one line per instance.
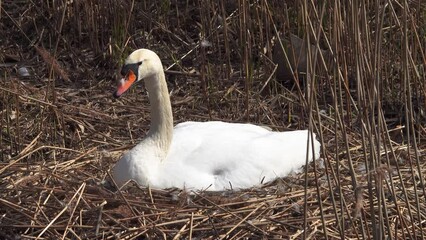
[140, 64]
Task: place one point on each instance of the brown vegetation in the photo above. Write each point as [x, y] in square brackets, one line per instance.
[60, 138]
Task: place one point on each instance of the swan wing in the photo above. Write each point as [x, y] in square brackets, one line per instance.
[221, 155]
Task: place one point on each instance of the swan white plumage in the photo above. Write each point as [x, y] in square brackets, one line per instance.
[202, 155]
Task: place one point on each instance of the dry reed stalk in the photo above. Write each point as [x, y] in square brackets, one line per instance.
[55, 155]
[51, 61]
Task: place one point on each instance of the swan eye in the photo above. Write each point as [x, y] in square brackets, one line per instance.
[134, 67]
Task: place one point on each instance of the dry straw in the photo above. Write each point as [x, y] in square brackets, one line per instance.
[364, 95]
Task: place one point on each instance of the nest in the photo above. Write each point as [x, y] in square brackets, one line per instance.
[61, 130]
[54, 174]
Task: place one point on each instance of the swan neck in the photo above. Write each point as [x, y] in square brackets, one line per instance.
[161, 129]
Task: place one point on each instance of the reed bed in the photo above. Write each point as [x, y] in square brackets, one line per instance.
[363, 94]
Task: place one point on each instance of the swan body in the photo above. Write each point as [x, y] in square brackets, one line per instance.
[203, 155]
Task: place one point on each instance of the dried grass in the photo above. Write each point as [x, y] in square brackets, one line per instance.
[56, 153]
[51, 61]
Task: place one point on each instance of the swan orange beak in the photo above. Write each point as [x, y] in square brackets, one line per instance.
[125, 83]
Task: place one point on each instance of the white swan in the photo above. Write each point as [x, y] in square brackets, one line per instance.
[202, 155]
